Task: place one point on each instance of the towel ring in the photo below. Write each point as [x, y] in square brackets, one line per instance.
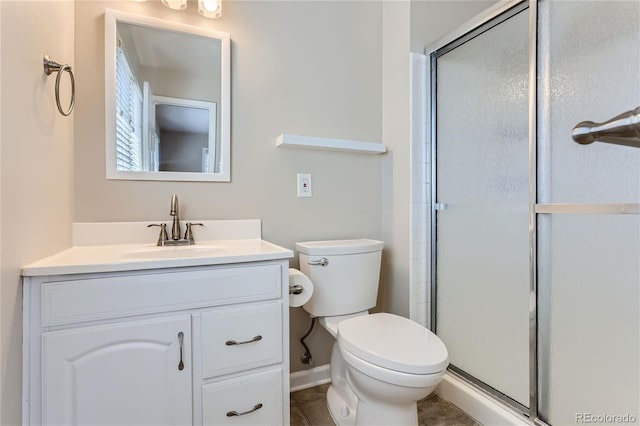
[51, 66]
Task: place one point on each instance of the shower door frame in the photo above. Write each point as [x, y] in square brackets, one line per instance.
[484, 22]
[477, 26]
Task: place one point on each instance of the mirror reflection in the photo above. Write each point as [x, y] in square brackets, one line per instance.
[187, 130]
[169, 92]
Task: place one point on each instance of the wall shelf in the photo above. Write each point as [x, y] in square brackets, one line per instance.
[344, 145]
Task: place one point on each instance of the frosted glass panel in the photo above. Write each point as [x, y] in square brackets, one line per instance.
[590, 66]
[588, 265]
[482, 177]
[589, 280]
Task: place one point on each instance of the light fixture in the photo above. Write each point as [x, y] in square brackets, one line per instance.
[210, 8]
[175, 4]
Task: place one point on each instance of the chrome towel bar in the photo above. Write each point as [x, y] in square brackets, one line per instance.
[51, 66]
[623, 129]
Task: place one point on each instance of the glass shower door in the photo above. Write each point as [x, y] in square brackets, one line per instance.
[482, 246]
[588, 253]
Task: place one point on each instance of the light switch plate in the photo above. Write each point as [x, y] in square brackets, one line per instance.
[304, 185]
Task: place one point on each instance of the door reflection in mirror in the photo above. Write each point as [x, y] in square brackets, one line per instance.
[183, 133]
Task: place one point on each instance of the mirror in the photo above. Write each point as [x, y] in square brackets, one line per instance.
[166, 100]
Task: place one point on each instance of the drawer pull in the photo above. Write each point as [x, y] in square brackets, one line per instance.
[233, 342]
[181, 341]
[235, 413]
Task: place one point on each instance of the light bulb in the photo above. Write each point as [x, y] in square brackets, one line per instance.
[210, 5]
[175, 4]
[210, 8]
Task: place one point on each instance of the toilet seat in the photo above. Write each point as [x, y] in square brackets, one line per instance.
[392, 342]
[391, 376]
[331, 323]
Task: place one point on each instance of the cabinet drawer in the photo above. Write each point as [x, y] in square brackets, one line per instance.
[255, 399]
[66, 302]
[240, 338]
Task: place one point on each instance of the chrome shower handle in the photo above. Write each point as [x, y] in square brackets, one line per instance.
[623, 129]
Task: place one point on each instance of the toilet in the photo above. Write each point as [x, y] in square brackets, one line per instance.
[381, 364]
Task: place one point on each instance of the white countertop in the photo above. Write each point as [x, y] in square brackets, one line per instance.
[130, 246]
[129, 257]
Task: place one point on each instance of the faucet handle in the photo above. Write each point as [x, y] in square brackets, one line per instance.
[163, 232]
[188, 235]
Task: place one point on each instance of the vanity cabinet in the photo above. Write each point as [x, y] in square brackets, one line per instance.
[173, 346]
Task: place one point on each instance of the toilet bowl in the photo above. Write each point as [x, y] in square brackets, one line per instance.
[381, 364]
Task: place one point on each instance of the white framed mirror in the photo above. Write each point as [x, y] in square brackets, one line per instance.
[167, 100]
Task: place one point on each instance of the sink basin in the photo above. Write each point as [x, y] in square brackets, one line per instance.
[176, 252]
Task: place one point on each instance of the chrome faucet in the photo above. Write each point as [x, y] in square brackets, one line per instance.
[176, 238]
[175, 228]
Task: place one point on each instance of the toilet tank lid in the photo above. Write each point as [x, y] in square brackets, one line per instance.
[336, 247]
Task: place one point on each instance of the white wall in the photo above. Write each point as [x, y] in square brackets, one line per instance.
[36, 166]
[396, 164]
[1, 329]
[309, 67]
[431, 20]
[407, 26]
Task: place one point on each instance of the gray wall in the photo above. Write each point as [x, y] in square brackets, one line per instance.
[316, 68]
[36, 166]
[308, 68]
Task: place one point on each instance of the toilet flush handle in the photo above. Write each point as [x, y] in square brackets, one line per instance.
[322, 262]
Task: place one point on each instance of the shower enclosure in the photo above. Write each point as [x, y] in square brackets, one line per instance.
[535, 237]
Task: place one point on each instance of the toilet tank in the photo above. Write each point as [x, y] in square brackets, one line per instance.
[345, 275]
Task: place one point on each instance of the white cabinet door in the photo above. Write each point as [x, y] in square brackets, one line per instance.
[117, 374]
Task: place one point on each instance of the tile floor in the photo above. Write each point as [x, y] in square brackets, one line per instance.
[309, 408]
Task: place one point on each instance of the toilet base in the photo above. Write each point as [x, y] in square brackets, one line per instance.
[341, 409]
[344, 414]
[342, 402]
[375, 403]
[384, 404]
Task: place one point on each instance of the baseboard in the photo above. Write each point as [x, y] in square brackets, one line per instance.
[478, 405]
[309, 378]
